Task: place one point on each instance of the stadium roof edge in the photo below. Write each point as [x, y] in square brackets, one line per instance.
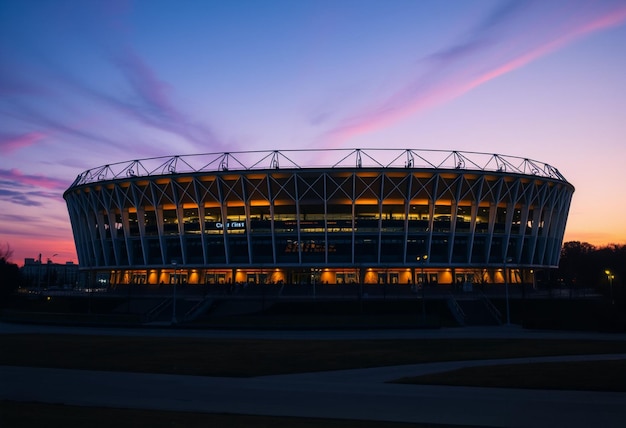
[329, 158]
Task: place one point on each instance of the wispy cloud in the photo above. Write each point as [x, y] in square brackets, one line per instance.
[32, 230]
[17, 218]
[150, 100]
[16, 178]
[53, 104]
[59, 128]
[19, 198]
[146, 100]
[491, 50]
[151, 104]
[10, 143]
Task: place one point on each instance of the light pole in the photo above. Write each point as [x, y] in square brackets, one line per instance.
[39, 269]
[48, 262]
[174, 294]
[506, 291]
[421, 260]
[610, 276]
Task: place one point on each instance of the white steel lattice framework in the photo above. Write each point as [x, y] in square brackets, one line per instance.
[383, 210]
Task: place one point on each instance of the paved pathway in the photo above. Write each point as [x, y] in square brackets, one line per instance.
[351, 394]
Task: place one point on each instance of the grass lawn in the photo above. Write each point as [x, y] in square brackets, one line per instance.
[579, 375]
[235, 357]
[37, 415]
[241, 358]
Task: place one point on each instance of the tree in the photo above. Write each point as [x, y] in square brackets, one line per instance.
[585, 265]
[9, 274]
[6, 252]
[576, 262]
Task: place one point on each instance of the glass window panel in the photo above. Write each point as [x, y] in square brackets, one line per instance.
[313, 249]
[136, 255]
[262, 251]
[478, 250]
[459, 251]
[172, 249]
[416, 246]
[154, 251]
[496, 255]
[170, 222]
[191, 221]
[500, 225]
[150, 221]
[133, 224]
[439, 249]
[419, 212]
[366, 249]
[340, 212]
[366, 212]
[236, 214]
[443, 216]
[238, 249]
[287, 250]
[340, 248]
[194, 249]
[482, 216]
[392, 249]
[215, 250]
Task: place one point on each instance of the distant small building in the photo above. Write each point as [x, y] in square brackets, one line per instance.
[47, 275]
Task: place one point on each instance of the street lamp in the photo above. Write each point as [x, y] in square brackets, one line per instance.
[506, 291]
[174, 294]
[421, 260]
[48, 262]
[40, 271]
[610, 276]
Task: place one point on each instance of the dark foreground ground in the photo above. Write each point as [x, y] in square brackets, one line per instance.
[35, 415]
[435, 309]
[255, 357]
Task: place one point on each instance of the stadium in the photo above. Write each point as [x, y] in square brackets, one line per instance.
[343, 216]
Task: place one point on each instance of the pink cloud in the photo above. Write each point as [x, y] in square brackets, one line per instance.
[604, 22]
[11, 143]
[421, 95]
[37, 180]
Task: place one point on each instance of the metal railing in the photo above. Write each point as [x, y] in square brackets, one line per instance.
[330, 158]
[492, 308]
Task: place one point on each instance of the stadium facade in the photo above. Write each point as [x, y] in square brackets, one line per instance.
[375, 216]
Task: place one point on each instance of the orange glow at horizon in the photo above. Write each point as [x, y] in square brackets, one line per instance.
[30, 248]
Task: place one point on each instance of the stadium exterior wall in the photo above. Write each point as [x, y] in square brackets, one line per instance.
[259, 217]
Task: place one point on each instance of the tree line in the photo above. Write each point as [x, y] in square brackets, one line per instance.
[10, 275]
[583, 265]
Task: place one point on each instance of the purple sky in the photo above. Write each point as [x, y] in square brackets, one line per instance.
[86, 83]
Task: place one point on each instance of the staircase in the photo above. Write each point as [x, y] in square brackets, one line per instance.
[475, 310]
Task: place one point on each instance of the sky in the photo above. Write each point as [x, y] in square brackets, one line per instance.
[85, 83]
